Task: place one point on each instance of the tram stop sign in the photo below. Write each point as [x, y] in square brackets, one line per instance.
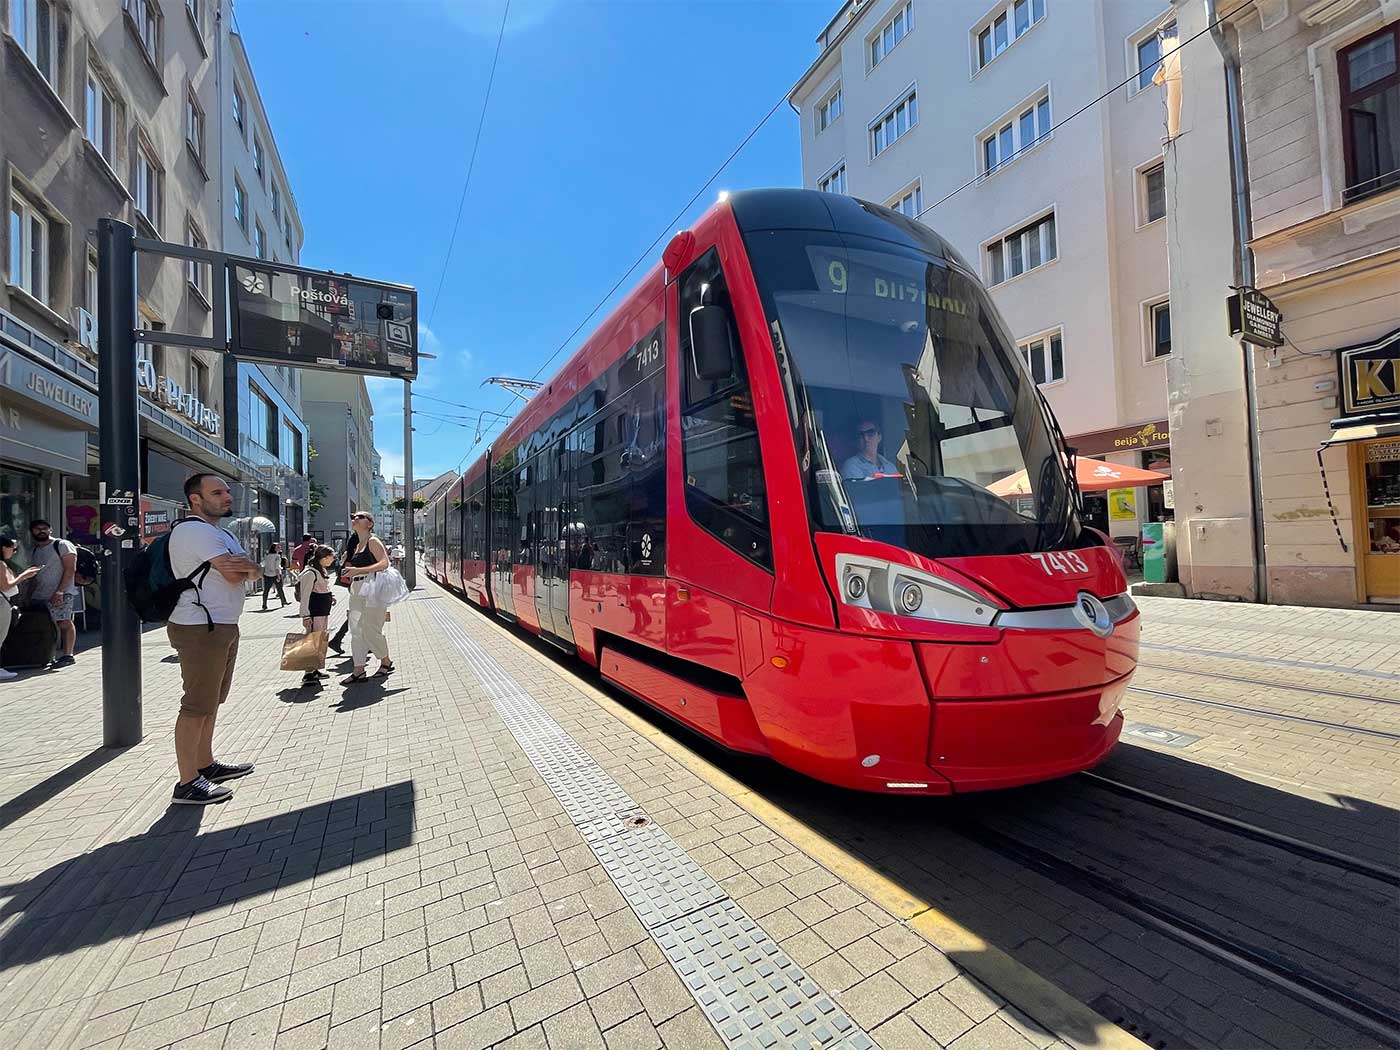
[314, 319]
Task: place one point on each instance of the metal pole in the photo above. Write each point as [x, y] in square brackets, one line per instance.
[117, 431]
[410, 567]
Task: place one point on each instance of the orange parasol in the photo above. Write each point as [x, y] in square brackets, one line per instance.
[1093, 475]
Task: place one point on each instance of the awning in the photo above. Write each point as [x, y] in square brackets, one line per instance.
[1093, 475]
[1363, 433]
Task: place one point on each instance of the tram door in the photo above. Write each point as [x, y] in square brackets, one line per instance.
[551, 567]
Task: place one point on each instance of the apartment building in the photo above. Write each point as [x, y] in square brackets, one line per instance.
[259, 217]
[104, 111]
[908, 100]
[340, 419]
[1288, 459]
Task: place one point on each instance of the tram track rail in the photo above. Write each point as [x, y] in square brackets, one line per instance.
[1219, 654]
[1297, 847]
[1264, 712]
[1342, 1004]
[1265, 683]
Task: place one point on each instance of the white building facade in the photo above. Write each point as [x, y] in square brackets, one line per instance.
[909, 100]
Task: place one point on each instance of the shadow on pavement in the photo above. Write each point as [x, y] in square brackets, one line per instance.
[172, 872]
[55, 784]
[365, 694]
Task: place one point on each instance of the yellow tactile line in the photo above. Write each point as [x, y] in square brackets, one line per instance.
[1044, 1002]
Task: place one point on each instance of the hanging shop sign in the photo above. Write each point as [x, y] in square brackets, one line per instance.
[312, 319]
[165, 391]
[1122, 439]
[1255, 318]
[1369, 376]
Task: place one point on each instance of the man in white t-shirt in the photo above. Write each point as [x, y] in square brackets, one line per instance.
[273, 566]
[203, 630]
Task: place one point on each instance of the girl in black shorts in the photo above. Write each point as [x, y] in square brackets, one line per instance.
[314, 591]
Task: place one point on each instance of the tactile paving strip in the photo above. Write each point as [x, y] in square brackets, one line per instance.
[754, 994]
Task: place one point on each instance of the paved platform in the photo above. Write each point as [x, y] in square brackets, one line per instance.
[474, 852]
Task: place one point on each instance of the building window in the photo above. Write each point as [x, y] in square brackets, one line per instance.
[833, 181]
[1149, 53]
[99, 120]
[148, 178]
[240, 205]
[829, 110]
[894, 123]
[289, 449]
[1019, 131]
[291, 253]
[891, 33]
[34, 25]
[1154, 193]
[239, 108]
[910, 202]
[1004, 25]
[197, 273]
[194, 124]
[1370, 86]
[1160, 322]
[29, 248]
[276, 202]
[259, 165]
[145, 15]
[198, 378]
[262, 419]
[1045, 357]
[259, 241]
[192, 6]
[1031, 246]
[90, 283]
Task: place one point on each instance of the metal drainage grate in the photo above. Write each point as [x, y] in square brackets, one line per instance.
[754, 994]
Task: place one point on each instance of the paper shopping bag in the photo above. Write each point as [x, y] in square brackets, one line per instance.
[304, 652]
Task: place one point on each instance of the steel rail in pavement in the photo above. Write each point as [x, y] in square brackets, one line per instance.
[1343, 694]
[1265, 713]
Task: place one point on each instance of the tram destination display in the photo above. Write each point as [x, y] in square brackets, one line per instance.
[311, 319]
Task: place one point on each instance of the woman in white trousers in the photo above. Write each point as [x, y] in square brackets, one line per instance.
[366, 621]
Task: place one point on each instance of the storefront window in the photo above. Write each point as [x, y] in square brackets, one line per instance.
[19, 504]
[1160, 505]
[1383, 496]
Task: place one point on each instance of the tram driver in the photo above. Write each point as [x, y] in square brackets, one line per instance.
[868, 463]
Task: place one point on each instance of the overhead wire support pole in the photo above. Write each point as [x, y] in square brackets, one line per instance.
[410, 541]
[119, 474]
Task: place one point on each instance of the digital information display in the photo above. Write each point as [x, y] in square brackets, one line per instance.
[309, 319]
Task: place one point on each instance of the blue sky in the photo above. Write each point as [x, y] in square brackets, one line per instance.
[604, 119]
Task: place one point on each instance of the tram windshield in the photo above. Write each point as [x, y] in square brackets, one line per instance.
[915, 423]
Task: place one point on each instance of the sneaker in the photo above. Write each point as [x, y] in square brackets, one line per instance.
[218, 772]
[66, 660]
[5, 675]
[200, 792]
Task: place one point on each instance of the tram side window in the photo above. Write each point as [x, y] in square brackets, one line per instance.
[724, 487]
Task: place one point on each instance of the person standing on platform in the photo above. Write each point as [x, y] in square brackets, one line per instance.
[9, 591]
[366, 621]
[58, 565]
[273, 566]
[301, 550]
[203, 630]
[337, 644]
[314, 594]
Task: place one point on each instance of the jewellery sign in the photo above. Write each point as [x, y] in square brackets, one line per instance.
[313, 319]
[1370, 376]
[1254, 318]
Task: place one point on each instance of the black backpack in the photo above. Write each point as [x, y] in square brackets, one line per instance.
[87, 568]
[153, 589]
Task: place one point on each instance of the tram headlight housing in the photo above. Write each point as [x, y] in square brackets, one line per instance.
[884, 586]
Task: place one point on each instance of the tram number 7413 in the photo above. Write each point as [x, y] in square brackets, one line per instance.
[1064, 562]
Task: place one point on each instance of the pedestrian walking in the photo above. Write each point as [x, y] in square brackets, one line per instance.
[203, 629]
[314, 593]
[337, 645]
[9, 592]
[301, 550]
[55, 585]
[273, 566]
[366, 621]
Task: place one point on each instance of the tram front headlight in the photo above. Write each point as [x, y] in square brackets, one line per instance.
[883, 586]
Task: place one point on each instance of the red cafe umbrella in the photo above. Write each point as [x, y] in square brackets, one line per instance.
[1093, 475]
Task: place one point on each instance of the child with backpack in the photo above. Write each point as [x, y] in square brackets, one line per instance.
[314, 593]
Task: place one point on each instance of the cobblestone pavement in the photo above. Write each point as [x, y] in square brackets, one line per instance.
[398, 873]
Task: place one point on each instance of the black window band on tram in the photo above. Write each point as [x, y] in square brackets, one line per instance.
[725, 492]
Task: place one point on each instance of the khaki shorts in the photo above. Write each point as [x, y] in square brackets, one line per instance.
[206, 664]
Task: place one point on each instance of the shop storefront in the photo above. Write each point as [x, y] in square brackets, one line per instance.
[1369, 381]
[1121, 511]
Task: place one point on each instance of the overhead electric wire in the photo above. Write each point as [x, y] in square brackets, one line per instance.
[471, 164]
[767, 117]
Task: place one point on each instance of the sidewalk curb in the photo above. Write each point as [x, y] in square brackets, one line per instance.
[1041, 1000]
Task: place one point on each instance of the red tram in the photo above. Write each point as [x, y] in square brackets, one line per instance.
[757, 498]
